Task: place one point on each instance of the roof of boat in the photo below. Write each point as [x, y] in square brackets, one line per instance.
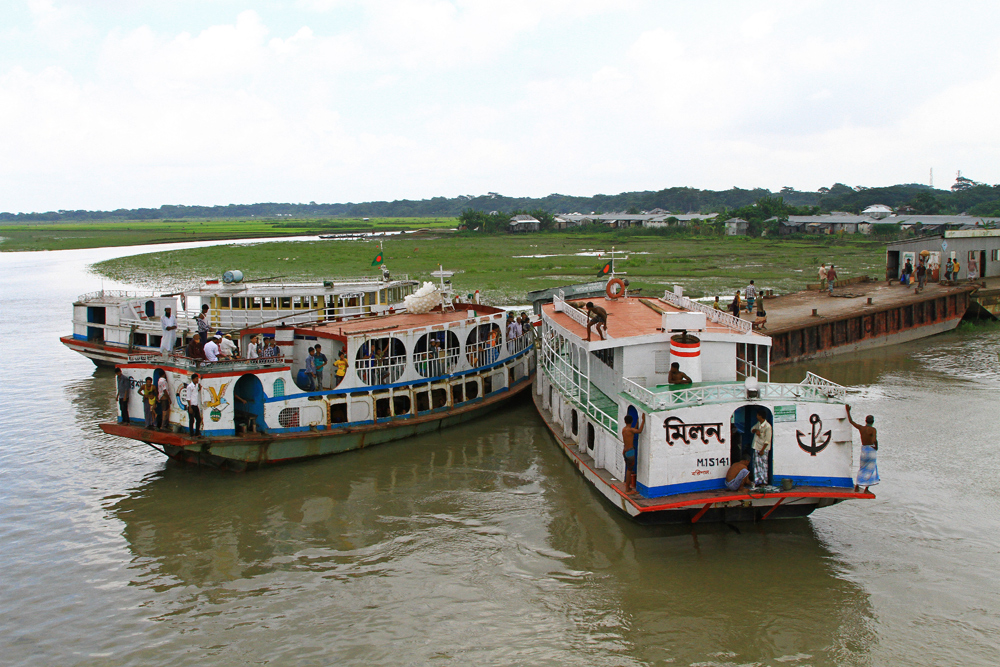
[399, 322]
[628, 318]
[336, 285]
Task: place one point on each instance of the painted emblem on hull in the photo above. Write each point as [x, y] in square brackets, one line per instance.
[819, 442]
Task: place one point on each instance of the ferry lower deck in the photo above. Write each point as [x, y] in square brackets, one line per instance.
[699, 506]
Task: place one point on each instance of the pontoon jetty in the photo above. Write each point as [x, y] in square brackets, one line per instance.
[412, 372]
[693, 432]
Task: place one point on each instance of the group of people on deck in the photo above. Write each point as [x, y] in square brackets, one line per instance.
[315, 367]
[751, 297]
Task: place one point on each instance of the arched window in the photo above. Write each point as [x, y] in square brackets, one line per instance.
[150, 308]
[436, 353]
[483, 344]
[278, 387]
[381, 361]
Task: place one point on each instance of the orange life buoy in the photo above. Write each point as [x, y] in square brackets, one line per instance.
[611, 293]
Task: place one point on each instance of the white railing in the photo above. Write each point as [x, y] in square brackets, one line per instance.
[733, 391]
[114, 294]
[832, 389]
[187, 362]
[561, 306]
[481, 354]
[380, 371]
[519, 344]
[717, 316]
[569, 381]
[436, 362]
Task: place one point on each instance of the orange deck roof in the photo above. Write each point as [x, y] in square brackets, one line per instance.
[626, 317]
[403, 321]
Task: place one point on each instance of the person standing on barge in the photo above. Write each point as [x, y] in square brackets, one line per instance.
[831, 278]
[868, 468]
[629, 434]
[761, 447]
[751, 296]
[148, 393]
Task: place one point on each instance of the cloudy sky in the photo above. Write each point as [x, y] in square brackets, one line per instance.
[127, 103]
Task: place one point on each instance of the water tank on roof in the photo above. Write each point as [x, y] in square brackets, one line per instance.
[234, 276]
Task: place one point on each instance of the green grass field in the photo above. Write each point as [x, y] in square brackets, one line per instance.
[504, 270]
[67, 236]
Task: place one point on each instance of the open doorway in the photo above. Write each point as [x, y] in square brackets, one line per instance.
[741, 428]
[248, 413]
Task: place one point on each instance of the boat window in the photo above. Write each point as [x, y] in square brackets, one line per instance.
[381, 361]
[224, 302]
[456, 394]
[150, 308]
[487, 385]
[289, 418]
[296, 302]
[338, 413]
[138, 338]
[400, 405]
[268, 302]
[574, 422]
[590, 436]
[471, 390]
[286, 302]
[382, 408]
[483, 344]
[439, 398]
[423, 401]
[436, 353]
[256, 302]
[278, 388]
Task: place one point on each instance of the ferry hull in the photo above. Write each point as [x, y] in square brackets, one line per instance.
[703, 507]
[253, 451]
[101, 354]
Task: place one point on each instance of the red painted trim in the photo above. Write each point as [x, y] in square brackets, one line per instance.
[677, 353]
[201, 372]
[780, 500]
[701, 513]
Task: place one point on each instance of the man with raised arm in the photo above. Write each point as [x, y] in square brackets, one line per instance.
[629, 451]
[868, 469]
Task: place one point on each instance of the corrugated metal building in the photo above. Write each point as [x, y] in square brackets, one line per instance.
[972, 247]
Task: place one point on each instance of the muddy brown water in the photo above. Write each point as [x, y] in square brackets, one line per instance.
[478, 545]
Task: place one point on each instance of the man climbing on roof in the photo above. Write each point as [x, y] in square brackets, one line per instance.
[629, 434]
[868, 468]
[596, 316]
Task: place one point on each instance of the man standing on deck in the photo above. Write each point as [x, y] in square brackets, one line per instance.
[202, 321]
[162, 404]
[168, 321]
[734, 307]
[311, 369]
[868, 468]
[831, 278]
[596, 316]
[193, 396]
[921, 273]
[751, 296]
[761, 447]
[341, 364]
[148, 393]
[822, 273]
[629, 434]
[122, 386]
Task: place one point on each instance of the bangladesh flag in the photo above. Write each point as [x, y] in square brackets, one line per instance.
[605, 270]
[378, 259]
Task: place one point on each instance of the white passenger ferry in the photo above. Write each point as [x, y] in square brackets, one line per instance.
[408, 373]
[111, 325]
[693, 432]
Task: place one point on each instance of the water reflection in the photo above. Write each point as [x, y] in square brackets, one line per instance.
[485, 543]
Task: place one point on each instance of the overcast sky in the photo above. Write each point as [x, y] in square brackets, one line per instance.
[127, 103]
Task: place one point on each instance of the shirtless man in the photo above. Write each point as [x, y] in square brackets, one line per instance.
[738, 475]
[868, 468]
[676, 375]
[628, 438]
[599, 316]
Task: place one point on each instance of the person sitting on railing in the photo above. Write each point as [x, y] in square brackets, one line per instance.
[596, 316]
[676, 375]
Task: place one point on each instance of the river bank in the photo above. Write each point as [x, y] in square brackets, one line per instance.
[505, 268]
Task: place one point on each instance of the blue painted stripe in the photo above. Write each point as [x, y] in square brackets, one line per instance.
[408, 383]
[686, 487]
[802, 480]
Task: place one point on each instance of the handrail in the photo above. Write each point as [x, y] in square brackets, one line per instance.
[562, 306]
[189, 362]
[733, 391]
[717, 316]
[115, 294]
[832, 388]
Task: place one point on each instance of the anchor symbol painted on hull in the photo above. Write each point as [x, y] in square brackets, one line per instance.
[816, 447]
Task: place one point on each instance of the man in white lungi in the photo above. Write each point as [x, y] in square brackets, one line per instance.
[761, 449]
[169, 323]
